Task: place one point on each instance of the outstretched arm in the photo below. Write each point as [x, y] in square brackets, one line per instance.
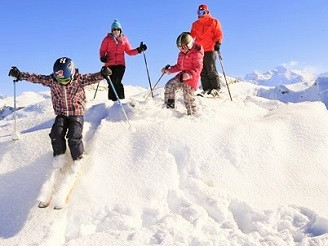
[128, 49]
[90, 78]
[46, 80]
[35, 78]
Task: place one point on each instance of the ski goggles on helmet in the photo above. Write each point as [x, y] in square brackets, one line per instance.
[64, 81]
[201, 12]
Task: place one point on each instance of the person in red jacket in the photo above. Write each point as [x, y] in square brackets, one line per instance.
[111, 52]
[207, 32]
[189, 66]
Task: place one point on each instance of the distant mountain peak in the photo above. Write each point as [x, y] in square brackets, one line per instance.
[280, 75]
[281, 69]
[323, 75]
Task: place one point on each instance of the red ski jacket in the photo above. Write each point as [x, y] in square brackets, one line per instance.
[207, 31]
[191, 63]
[68, 100]
[114, 49]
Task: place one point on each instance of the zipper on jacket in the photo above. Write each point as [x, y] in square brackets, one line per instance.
[116, 46]
[182, 62]
[66, 103]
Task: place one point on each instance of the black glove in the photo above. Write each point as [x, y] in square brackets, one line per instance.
[104, 59]
[14, 72]
[105, 71]
[165, 69]
[142, 47]
[217, 46]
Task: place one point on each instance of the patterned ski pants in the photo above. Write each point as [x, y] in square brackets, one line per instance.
[188, 94]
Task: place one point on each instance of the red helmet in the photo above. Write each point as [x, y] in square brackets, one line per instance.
[203, 7]
[202, 10]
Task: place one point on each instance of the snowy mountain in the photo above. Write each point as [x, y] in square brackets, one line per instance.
[324, 75]
[248, 172]
[279, 75]
[315, 90]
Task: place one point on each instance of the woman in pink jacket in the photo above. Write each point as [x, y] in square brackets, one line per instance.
[112, 50]
[189, 66]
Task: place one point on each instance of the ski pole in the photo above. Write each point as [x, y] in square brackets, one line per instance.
[96, 90]
[220, 59]
[15, 135]
[151, 89]
[166, 67]
[119, 101]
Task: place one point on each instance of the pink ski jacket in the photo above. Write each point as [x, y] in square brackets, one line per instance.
[114, 49]
[190, 62]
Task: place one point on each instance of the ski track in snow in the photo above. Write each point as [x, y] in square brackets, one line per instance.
[53, 234]
[191, 200]
[93, 121]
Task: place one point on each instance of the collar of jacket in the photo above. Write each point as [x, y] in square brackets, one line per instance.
[204, 18]
[117, 40]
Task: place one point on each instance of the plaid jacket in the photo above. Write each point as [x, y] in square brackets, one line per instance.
[68, 100]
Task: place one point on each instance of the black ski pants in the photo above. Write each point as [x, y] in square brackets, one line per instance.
[70, 127]
[209, 75]
[116, 78]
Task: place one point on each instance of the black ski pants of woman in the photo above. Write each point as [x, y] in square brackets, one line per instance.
[116, 78]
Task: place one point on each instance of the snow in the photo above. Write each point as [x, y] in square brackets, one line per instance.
[248, 172]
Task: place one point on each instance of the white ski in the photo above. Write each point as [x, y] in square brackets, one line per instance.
[49, 187]
[66, 187]
[47, 190]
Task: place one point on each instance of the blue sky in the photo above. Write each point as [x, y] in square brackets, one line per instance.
[258, 35]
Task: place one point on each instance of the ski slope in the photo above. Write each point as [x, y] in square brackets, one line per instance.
[248, 172]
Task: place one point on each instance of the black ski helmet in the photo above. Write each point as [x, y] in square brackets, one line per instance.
[64, 70]
[185, 39]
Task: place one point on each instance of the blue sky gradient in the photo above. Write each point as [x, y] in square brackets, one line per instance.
[258, 35]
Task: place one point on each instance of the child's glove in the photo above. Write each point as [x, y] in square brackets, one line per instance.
[15, 73]
[105, 71]
[165, 69]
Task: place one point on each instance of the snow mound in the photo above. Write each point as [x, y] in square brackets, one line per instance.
[247, 172]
